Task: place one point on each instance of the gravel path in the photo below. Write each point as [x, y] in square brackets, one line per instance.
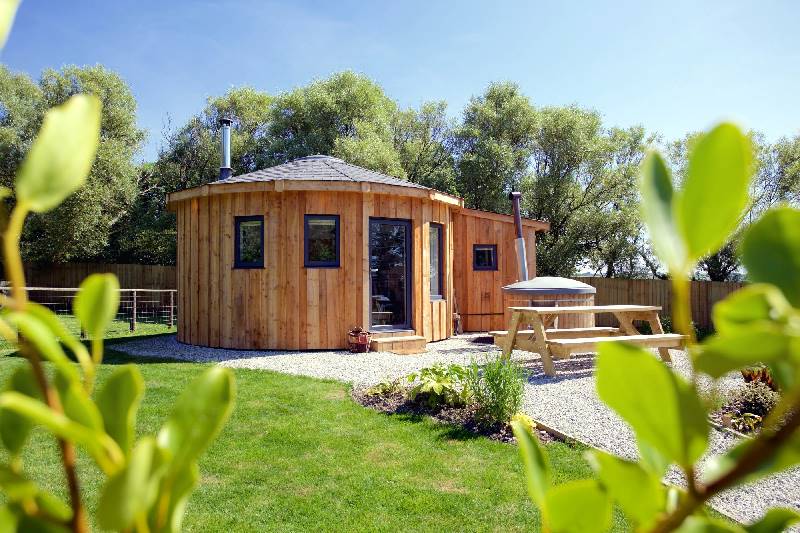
[566, 402]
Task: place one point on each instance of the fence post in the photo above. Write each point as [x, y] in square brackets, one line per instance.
[171, 309]
[133, 312]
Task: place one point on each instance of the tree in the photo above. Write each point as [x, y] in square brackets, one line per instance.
[495, 142]
[424, 141]
[776, 180]
[346, 115]
[191, 157]
[81, 227]
[584, 183]
[21, 110]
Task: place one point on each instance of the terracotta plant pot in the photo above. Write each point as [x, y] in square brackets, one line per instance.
[358, 340]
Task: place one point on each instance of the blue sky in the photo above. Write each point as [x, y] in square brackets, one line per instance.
[673, 67]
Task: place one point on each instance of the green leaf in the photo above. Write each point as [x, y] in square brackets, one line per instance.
[537, 468]
[15, 428]
[53, 506]
[9, 520]
[98, 444]
[776, 519]
[96, 303]
[663, 410]
[126, 494]
[754, 304]
[76, 403]
[198, 416]
[748, 346]
[57, 327]
[8, 10]
[175, 490]
[701, 524]
[34, 524]
[651, 459]
[716, 190]
[16, 486]
[657, 211]
[38, 334]
[578, 507]
[640, 495]
[119, 401]
[61, 157]
[771, 251]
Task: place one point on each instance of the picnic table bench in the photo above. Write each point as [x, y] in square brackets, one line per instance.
[549, 342]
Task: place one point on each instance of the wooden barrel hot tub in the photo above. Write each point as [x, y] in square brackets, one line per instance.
[546, 291]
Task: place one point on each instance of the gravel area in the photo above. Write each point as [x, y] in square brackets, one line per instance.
[566, 402]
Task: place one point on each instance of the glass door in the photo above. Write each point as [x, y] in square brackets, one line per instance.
[390, 273]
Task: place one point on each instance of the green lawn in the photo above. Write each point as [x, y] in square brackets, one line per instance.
[299, 454]
[118, 329]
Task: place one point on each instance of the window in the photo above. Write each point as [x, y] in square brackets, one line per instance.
[322, 241]
[437, 258]
[484, 257]
[249, 252]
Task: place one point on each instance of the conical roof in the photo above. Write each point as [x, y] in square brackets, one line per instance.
[319, 168]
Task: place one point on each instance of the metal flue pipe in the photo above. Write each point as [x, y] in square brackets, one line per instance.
[225, 170]
[522, 258]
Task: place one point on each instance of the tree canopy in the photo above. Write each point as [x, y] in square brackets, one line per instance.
[83, 226]
[574, 171]
[776, 180]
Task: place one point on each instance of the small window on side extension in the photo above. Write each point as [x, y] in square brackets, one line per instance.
[484, 257]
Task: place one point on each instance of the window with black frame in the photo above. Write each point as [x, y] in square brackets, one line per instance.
[437, 260]
[321, 241]
[249, 246]
[484, 257]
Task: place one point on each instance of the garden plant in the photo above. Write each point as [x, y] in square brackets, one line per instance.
[759, 324]
[147, 480]
[440, 385]
[497, 389]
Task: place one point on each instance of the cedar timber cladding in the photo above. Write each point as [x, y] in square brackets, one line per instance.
[285, 305]
[479, 298]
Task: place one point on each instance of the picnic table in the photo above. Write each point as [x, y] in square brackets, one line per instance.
[551, 342]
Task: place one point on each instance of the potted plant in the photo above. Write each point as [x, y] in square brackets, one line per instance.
[358, 339]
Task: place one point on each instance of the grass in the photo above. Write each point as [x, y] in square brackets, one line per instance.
[118, 329]
[299, 454]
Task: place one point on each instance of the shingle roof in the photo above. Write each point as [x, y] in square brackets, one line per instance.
[318, 168]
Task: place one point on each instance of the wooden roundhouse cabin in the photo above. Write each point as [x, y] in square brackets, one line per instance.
[293, 256]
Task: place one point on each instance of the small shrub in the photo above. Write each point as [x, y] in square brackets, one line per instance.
[440, 385]
[745, 422]
[497, 390]
[755, 398]
[760, 374]
[385, 388]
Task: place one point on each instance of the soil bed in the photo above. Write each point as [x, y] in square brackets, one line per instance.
[396, 403]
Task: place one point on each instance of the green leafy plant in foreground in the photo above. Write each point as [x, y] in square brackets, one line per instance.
[147, 480]
[759, 324]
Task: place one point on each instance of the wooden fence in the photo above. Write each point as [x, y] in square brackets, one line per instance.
[704, 294]
[609, 290]
[72, 274]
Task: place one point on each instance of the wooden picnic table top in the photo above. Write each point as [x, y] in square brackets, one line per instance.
[585, 309]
